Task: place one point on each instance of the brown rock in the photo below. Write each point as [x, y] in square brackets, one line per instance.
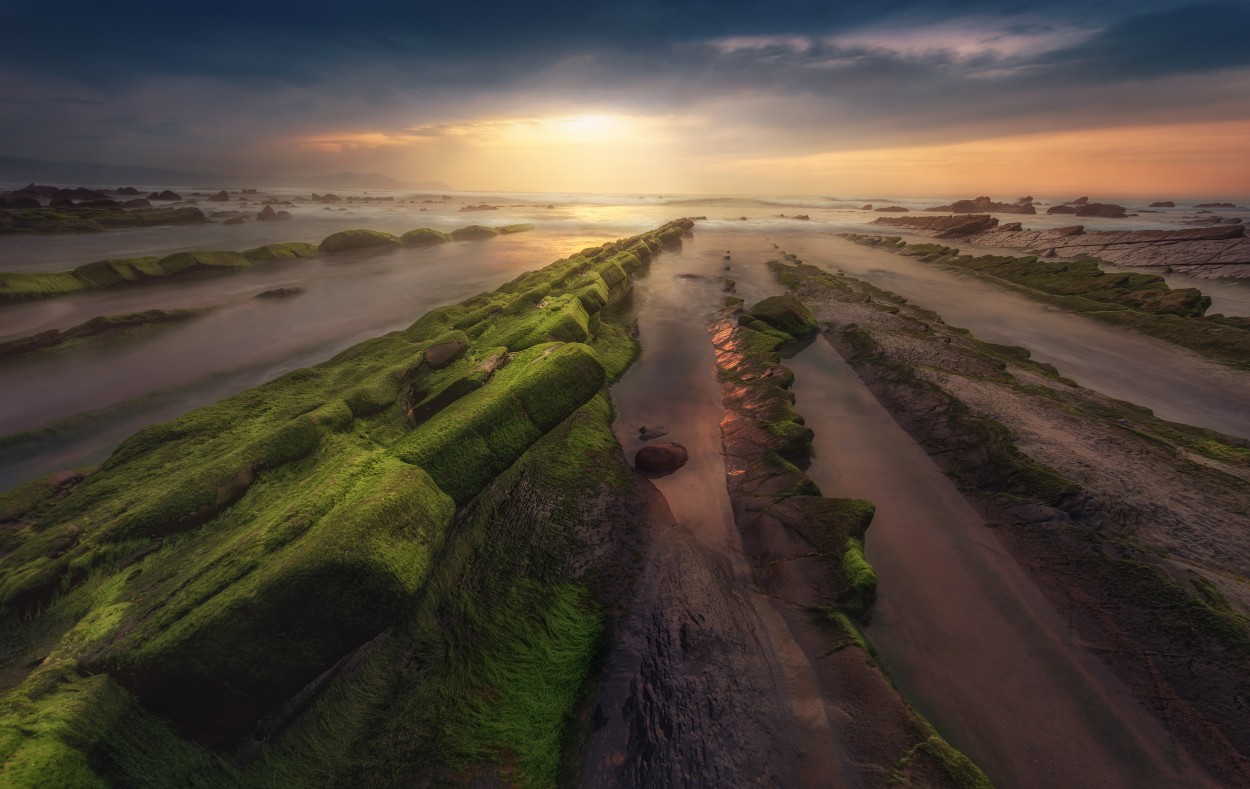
[662, 456]
[894, 209]
[443, 354]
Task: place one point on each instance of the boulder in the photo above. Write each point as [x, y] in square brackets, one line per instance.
[893, 209]
[786, 313]
[1216, 205]
[867, 207]
[444, 353]
[221, 197]
[1107, 210]
[661, 456]
[138, 202]
[267, 214]
[424, 237]
[1163, 204]
[347, 240]
[473, 233]
[165, 195]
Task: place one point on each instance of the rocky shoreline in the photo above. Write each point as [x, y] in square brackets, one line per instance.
[1142, 302]
[26, 286]
[1221, 250]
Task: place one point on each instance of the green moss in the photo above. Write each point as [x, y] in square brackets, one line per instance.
[70, 731]
[19, 286]
[471, 442]
[287, 251]
[860, 578]
[936, 755]
[217, 563]
[199, 260]
[101, 329]
[616, 348]
[473, 233]
[424, 237]
[561, 319]
[787, 314]
[348, 240]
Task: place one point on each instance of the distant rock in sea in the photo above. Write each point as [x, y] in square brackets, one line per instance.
[893, 209]
[983, 204]
[941, 226]
[1162, 204]
[1105, 210]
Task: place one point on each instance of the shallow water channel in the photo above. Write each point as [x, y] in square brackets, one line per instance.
[959, 627]
[673, 386]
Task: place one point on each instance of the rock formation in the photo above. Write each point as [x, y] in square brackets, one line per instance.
[941, 226]
[1024, 205]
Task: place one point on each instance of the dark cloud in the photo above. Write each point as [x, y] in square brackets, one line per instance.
[1195, 38]
[187, 80]
[112, 43]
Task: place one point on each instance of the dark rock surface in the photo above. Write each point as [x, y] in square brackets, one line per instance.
[1105, 210]
[941, 226]
[983, 204]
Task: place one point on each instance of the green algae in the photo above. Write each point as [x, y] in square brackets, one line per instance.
[424, 237]
[22, 286]
[786, 314]
[289, 250]
[105, 328]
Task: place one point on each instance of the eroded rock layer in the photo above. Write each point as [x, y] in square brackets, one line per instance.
[1132, 526]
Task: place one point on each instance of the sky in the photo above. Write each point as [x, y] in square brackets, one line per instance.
[889, 97]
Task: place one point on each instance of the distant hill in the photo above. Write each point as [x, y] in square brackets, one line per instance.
[21, 171]
[17, 170]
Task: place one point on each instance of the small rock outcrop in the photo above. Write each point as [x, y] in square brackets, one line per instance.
[1162, 204]
[893, 209]
[1105, 210]
[941, 226]
[267, 214]
[982, 204]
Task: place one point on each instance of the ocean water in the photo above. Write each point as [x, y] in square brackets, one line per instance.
[67, 408]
